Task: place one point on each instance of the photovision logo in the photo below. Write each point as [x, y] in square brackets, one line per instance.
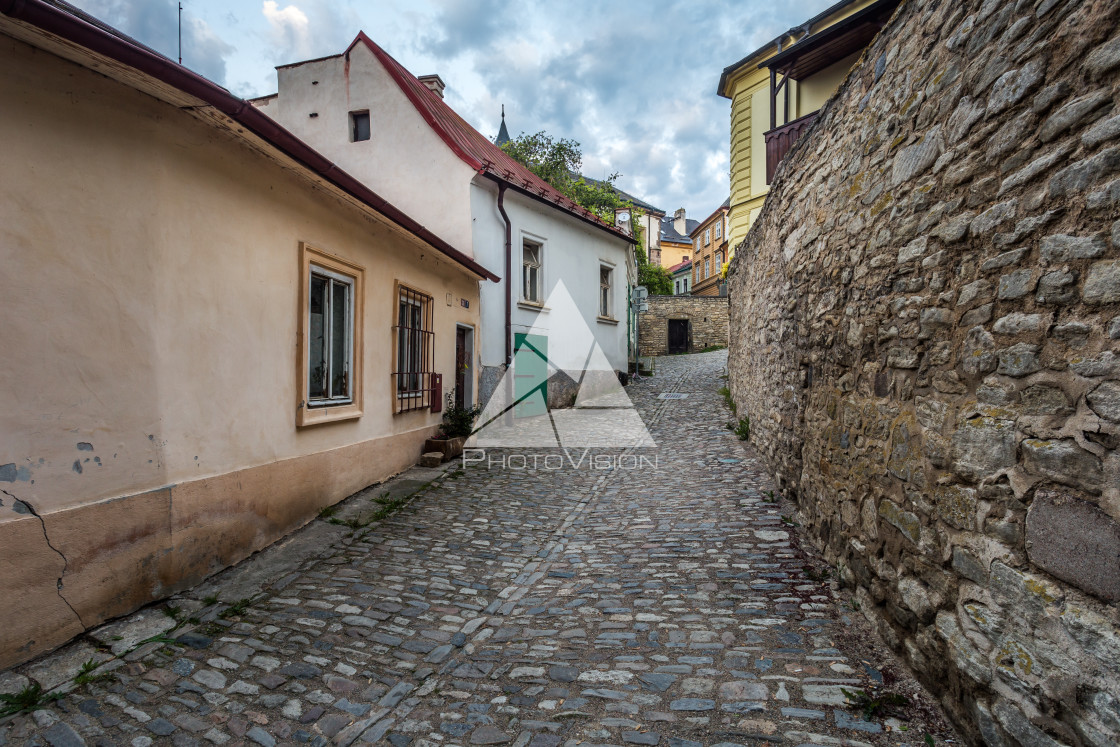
[600, 431]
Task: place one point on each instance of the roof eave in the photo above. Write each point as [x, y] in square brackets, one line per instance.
[55, 20]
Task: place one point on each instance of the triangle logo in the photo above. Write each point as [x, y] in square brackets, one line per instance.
[560, 342]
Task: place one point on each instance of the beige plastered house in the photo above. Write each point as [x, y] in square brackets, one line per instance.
[210, 331]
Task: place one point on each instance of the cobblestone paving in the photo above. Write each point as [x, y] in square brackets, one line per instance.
[531, 607]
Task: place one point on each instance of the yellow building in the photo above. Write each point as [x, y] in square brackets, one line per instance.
[776, 91]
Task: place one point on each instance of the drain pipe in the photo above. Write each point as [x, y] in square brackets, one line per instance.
[509, 277]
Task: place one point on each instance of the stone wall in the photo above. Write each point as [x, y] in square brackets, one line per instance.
[925, 333]
[707, 317]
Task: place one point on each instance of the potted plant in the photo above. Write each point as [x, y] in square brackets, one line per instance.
[458, 424]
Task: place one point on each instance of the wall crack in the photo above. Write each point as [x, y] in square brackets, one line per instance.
[17, 504]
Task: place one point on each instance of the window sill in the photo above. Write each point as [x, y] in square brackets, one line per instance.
[307, 416]
[606, 320]
[530, 306]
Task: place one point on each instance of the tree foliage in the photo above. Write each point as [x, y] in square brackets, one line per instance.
[558, 161]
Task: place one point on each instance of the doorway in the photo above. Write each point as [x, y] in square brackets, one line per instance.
[464, 366]
[678, 335]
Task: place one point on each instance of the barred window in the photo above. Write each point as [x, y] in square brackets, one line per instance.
[415, 341]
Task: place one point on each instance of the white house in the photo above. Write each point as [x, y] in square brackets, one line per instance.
[394, 132]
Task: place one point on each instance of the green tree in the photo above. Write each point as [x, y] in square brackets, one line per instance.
[558, 161]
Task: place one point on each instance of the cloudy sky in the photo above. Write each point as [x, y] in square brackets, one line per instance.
[634, 82]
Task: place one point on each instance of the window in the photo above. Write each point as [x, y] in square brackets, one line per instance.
[605, 292]
[531, 272]
[707, 267]
[719, 261]
[329, 359]
[412, 374]
[359, 126]
[719, 229]
[707, 236]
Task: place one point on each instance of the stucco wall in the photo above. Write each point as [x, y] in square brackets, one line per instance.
[925, 333]
[707, 318]
[388, 162]
[150, 299]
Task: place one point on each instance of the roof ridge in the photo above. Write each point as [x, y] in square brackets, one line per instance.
[471, 146]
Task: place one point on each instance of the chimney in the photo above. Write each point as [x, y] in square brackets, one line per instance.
[434, 83]
[680, 225]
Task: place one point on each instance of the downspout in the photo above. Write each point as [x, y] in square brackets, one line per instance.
[509, 269]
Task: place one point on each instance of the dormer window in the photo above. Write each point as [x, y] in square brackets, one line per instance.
[359, 126]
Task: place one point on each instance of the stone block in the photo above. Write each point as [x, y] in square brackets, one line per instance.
[1006, 259]
[431, 459]
[978, 354]
[1016, 323]
[1064, 461]
[1020, 727]
[1079, 176]
[1073, 114]
[932, 321]
[969, 566]
[966, 657]
[987, 221]
[1059, 287]
[956, 505]
[907, 523]
[983, 447]
[970, 292]
[1102, 284]
[1019, 360]
[1114, 328]
[977, 316]
[1062, 248]
[1105, 364]
[1073, 540]
[1016, 284]
[1105, 400]
[1041, 399]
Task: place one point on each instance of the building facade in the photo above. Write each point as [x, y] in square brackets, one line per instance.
[676, 245]
[776, 91]
[710, 242]
[220, 333]
[682, 278]
[394, 132]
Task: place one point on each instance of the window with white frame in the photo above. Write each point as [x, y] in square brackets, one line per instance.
[329, 354]
[707, 267]
[719, 261]
[330, 338]
[531, 272]
[605, 291]
[719, 229]
[707, 236]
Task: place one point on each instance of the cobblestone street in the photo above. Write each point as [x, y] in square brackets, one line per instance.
[505, 605]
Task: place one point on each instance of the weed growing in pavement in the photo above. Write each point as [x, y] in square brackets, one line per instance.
[28, 699]
[174, 613]
[327, 512]
[86, 676]
[726, 393]
[788, 521]
[210, 599]
[770, 497]
[876, 703]
[743, 430]
[238, 607]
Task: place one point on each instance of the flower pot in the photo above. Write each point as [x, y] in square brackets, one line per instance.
[449, 447]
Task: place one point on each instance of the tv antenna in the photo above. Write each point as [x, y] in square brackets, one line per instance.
[180, 33]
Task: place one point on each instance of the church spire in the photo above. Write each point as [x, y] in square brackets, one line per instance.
[503, 133]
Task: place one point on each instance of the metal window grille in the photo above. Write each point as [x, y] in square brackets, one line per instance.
[412, 380]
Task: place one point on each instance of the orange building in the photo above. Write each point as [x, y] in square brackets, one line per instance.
[709, 242]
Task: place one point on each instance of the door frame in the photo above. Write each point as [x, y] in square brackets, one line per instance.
[468, 378]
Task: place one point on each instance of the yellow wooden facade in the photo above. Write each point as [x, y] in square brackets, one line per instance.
[748, 88]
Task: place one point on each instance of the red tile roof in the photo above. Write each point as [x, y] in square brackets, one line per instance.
[472, 147]
[680, 265]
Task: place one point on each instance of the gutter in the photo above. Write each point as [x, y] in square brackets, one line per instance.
[57, 21]
[509, 273]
